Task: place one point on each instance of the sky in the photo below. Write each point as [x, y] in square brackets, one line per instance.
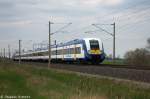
[27, 20]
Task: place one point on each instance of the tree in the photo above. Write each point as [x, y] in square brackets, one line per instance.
[138, 57]
[148, 44]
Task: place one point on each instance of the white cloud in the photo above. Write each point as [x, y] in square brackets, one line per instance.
[112, 2]
[91, 2]
[100, 2]
[15, 23]
[85, 3]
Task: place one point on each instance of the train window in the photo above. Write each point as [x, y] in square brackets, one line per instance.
[71, 50]
[41, 53]
[45, 53]
[59, 52]
[68, 51]
[94, 44]
[65, 51]
[33, 54]
[78, 50]
[53, 52]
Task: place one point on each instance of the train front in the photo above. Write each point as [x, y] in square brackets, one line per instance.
[95, 50]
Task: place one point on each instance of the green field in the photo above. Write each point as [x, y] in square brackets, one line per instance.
[116, 62]
[43, 83]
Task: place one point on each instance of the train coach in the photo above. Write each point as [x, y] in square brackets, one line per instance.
[78, 50]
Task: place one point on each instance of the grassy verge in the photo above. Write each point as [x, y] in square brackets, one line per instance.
[116, 62]
[43, 83]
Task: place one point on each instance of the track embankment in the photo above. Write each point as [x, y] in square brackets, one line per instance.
[124, 73]
[117, 71]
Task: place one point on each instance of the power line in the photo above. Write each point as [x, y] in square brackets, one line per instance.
[132, 25]
[59, 30]
[135, 13]
[82, 28]
[123, 27]
[96, 25]
[144, 13]
[126, 8]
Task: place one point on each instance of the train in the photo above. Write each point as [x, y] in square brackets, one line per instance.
[87, 50]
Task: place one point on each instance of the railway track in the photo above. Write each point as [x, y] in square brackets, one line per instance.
[126, 72]
[115, 66]
[137, 67]
[126, 66]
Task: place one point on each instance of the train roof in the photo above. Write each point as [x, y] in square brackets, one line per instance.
[75, 41]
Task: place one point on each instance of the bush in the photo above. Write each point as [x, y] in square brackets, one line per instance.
[138, 57]
[148, 44]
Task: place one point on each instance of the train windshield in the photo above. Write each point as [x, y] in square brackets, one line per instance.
[94, 44]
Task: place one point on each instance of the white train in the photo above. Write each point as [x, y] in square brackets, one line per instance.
[78, 50]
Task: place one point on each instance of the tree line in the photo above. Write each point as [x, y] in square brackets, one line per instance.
[139, 56]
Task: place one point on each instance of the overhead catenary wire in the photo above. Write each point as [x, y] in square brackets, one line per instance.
[125, 9]
[145, 14]
[139, 12]
[124, 27]
[59, 30]
[135, 12]
[132, 27]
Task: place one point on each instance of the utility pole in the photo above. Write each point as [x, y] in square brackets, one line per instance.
[56, 49]
[19, 51]
[55, 42]
[112, 34]
[9, 51]
[1, 53]
[4, 52]
[114, 41]
[33, 46]
[49, 48]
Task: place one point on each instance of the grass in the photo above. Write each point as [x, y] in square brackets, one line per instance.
[116, 62]
[43, 83]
